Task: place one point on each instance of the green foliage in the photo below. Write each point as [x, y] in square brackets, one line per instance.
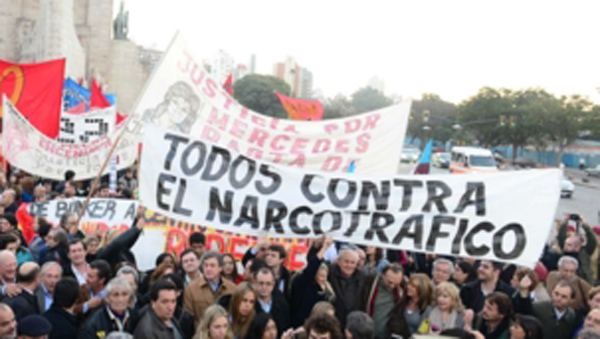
[442, 116]
[257, 92]
[337, 107]
[369, 99]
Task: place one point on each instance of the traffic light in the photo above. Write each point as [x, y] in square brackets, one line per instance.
[412, 115]
[426, 116]
[502, 120]
[513, 121]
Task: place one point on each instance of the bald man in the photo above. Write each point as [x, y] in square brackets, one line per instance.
[8, 323]
[8, 272]
[8, 201]
[25, 303]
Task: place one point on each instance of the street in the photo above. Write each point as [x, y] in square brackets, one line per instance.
[585, 201]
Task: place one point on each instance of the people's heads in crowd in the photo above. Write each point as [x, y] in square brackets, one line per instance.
[463, 272]
[588, 333]
[164, 268]
[262, 327]
[347, 261]
[197, 242]
[592, 320]
[177, 280]
[164, 257]
[420, 287]
[264, 283]
[562, 295]
[522, 273]
[567, 268]
[497, 307]
[41, 227]
[57, 238]
[92, 244]
[119, 295]
[28, 184]
[104, 191]
[8, 266]
[212, 265]
[28, 274]
[253, 266]
[526, 327]
[39, 194]
[50, 274]
[163, 299]
[131, 275]
[190, 261]
[323, 326]
[77, 252]
[275, 256]
[373, 254]
[323, 307]
[65, 293]
[392, 276]
[68, 221]
[98, 275]
[359, 326]
[322, 274]
[8, 223]
[572, 244]
[362, 258]
[214, 324]
[489, 271]
[447, 297]
[70, 189]
[229, 267]
[594, 298]
[442, 270]
[8, 322]
[34, 326]
[8, 197]
[69, 175]
[10, 242]
[242, 308]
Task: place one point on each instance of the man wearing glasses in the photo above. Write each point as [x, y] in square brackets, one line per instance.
[270, 300]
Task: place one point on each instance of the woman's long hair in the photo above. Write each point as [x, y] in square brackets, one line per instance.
[210, 315]
[240, 323]
[327, 291]
[424, 290]
[234, 275]
[258, 326]
[531, 326]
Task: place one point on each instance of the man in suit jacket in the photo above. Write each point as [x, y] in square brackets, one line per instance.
[49, 276]
[270, 300]
[25, 303]
[558, 318]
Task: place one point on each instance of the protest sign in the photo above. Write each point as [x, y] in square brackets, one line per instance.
[498, 217]
[85, 127]
[26, 148]
[182, 96]
[102, 214]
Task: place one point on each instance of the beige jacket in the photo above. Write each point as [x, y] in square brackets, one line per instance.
[199, 296]
[581, 290]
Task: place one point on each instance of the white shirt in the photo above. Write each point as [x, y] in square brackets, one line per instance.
[79, 276]
[559, 315]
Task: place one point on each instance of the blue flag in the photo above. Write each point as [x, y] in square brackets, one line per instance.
[423, 165]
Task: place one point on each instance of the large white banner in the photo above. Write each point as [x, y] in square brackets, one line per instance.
[85, 127]
[115, 212]
[502, 217]
[182, 96]
[26, 148]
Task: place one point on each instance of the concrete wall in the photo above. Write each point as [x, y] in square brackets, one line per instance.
[127, 75]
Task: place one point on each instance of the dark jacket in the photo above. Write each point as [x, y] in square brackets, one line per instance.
[23, 305]
[64, 324]
[585, 254]
[305, 292]
[150, 326]
[100, 324]
[397, 324]
[120, 249]
[502, 331]
[553, 328]
[58, 254]
[473, 298]
[347, 292]
[280, 310]
[184, 319]
[40, 299]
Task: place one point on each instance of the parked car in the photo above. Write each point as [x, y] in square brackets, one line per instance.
[441, 160]
[566, 188]
[410, 155]
[593, 172]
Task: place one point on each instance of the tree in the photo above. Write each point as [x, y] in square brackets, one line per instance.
[337, 107]
[369, 99]
[442, 117]
[257, 92]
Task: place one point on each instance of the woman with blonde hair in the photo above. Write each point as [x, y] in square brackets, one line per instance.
[449, 310]
[242, 309]
[214, 324]
[419, 296]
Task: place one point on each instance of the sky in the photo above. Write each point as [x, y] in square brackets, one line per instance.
[451, 48]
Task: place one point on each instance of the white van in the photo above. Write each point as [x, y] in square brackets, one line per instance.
[470, 160]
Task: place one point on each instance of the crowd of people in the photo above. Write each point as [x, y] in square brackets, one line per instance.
[66, 284]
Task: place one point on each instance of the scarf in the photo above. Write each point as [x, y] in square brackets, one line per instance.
[435, 319]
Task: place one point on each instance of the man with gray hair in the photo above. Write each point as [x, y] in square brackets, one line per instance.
[359, 326]
[8, 201]
[567, 272]
[50, 274]
[347, 282]
[132, 276]
[442, 271]
[588, 333]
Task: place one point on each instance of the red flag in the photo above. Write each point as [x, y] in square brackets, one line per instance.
[98, 99]
[120, 117]
[301, 109]
[36, 92]
[228, 85]
[25, 221]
